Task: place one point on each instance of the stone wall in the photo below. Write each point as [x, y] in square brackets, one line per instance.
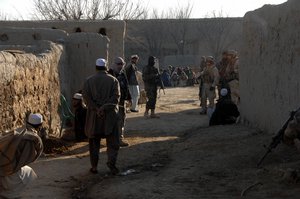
[269, 65]
[30, 83]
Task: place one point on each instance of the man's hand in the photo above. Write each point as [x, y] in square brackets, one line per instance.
[100, 113]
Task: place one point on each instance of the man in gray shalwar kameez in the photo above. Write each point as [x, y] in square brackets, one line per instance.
[101, 93]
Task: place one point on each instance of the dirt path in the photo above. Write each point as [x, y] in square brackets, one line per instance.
[176, 156]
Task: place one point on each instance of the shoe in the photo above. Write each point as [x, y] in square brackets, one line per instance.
[134, 111]
[94, 171]
[123, 143]
[146, 115]
[203, 112]
[113, 169]
[154, 116]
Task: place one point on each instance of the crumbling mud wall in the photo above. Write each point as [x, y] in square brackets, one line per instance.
[30, 83]
[269, 65]
[80, 50]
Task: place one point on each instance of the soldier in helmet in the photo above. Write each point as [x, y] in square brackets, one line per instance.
[210, 79]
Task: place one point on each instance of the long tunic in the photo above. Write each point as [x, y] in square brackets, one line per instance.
[101, 90]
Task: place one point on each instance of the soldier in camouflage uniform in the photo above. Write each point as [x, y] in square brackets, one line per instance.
[210, 79]
[230, 76]
[151, 80]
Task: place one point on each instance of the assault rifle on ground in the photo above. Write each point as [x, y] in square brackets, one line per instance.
[278, 137]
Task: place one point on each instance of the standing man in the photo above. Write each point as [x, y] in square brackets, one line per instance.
[131, 70]
[117, 71]
[202, 66]
[151, 80]
[230, 76]
[210, 78]
[101, 93]
[17, 150]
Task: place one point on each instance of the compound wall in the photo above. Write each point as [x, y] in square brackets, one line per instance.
[29, 83]
[113, 29]
[270, 59]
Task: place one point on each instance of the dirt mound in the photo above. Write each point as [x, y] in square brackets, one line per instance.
[55, 145]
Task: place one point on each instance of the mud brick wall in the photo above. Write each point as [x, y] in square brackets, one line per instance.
[30, 83]
[269, 67]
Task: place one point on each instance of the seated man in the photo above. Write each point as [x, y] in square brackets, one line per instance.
[80, 115]
[226, 111]
[292, 132]
[17, 150]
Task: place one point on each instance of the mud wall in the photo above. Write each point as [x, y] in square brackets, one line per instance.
[78, 58]
[269, 65]
[30, 83]
[113, 29]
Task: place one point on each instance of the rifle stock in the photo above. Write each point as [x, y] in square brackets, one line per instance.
[277, 138]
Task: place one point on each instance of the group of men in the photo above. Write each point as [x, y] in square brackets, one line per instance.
[217, 76]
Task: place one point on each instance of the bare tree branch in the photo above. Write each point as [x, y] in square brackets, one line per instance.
[87, 9]
[216, 32]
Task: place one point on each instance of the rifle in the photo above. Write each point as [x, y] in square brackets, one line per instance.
[278, 137]
[160, 82]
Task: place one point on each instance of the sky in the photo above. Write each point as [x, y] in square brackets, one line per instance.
[22, 9]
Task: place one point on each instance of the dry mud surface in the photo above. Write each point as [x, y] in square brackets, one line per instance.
[176, 156]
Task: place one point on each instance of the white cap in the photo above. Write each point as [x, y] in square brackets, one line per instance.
[134, 56]
[77, 96]
[35, 119]
[101, 62]
[223, 92]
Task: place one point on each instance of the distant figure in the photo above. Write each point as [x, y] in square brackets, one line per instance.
[174, 78]
[151, 78]
[166, 78]
[101, 93]
[226, 111]
[131, 74]
[182, 81]
[80, 115]
[17, 150]
[199, 77]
